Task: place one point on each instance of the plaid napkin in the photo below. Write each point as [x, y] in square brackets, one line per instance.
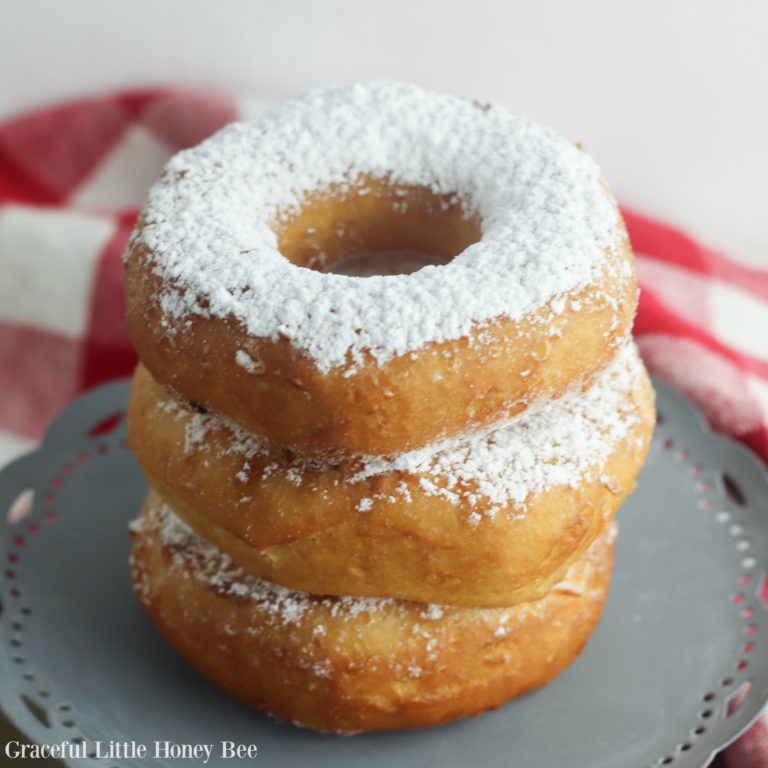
[73, 177]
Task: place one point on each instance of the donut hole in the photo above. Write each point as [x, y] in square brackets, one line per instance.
[374, 227]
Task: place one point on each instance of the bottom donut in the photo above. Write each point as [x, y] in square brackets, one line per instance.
[350, 664]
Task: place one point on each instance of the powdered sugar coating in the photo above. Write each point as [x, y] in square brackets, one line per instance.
[548, 224]
[560, 443]
[205, 562]
[216, 569]
[565, 442]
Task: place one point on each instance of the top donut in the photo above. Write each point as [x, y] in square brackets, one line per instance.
[528, 288]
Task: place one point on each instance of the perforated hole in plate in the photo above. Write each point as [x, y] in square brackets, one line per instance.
[38, 712]
[733, 490]
[737, 698]
[762, 592]
[21, 506]
[107, 425]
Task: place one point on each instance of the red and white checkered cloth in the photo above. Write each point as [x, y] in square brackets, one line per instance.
[73, 177]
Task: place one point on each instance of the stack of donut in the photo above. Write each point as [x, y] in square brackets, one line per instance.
[388, 405]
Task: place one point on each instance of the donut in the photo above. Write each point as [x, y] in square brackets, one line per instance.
[528, 287]
[355, 664]
[489, 521]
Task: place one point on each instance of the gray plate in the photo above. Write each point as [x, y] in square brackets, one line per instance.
[683, 633]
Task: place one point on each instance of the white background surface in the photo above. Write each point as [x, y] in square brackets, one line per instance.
[670, 96]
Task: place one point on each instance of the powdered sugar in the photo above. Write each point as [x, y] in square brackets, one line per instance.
[565, 442]
[548, 224]
[553, 444]
[215, 568]
[365, 505]
[205, 562]
[245, 361]
[198, 425]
